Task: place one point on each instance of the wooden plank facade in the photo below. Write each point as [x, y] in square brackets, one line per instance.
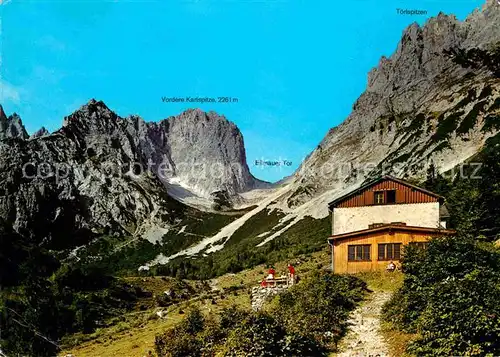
[342, 263]
[404, 194]
[365, 241]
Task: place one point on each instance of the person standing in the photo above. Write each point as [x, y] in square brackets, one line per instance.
[271, 273]
[270, 276]
[291, 274]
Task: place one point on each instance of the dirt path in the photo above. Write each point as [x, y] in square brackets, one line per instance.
[364, 338]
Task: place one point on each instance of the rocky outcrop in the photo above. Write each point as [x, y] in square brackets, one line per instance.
[12, 126]
[421, 105]
[39, 133]
[260, 295]
[56, 191]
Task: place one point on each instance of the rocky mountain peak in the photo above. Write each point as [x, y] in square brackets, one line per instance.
[93, 125]
[194, 145]
[12, 126]
[419, 57]
[196, 115]
[3, 117]
[91, 110]
[40, 133]
[432, 99]
[94, 115]
[209, 152]
[202, 120]
[481, 27]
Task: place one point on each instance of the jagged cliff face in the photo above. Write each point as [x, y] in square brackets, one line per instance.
[203, 152]
[424, 104]
[102, 174]
[11, 127]
[191, 141]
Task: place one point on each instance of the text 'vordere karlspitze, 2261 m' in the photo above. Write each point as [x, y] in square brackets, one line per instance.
[199, 99]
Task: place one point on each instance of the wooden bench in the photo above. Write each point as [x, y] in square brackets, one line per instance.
[282, 280]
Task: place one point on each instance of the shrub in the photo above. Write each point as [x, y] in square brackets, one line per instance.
[234, 333]
[258, 334]
[319, 307]
[472, 197]
[39, 311]
[182, 340]
[449, 298]
[461, 317]
[303, 322]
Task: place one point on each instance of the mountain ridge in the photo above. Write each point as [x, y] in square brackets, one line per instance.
[410, 82]
[103, 174]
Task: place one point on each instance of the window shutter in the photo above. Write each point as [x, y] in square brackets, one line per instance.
[391, 196]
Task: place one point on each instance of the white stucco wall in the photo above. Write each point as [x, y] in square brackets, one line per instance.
[350, 219]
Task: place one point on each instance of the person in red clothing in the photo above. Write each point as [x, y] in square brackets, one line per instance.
[291, 274]
[272, 272]
[270, 276]
[263, 283]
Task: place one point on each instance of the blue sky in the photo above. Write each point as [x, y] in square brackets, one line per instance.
[295, 66]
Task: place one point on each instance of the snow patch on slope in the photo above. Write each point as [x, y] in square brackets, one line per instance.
[316, 208]
[187, 195]
[210, 244]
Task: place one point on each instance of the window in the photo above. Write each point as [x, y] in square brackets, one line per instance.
[421, 245]
[379, 197]
[389, 251]
[385, 197]
[358, 252]
[391, 196]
